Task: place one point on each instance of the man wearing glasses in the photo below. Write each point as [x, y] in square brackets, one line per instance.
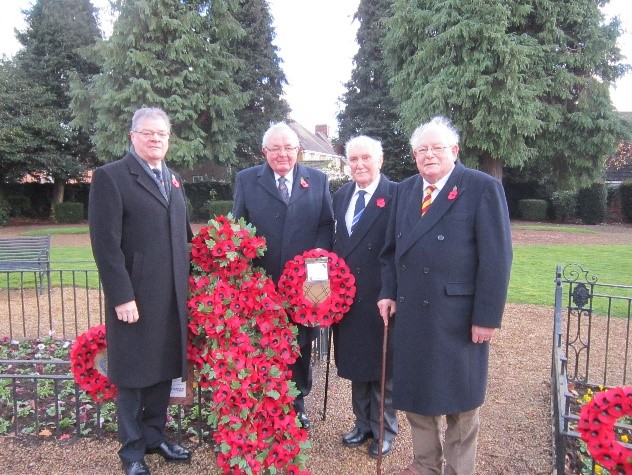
[290, 206]
[445, 270]
[140, 232]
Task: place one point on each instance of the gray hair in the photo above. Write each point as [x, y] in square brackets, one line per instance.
[441, 125]
[279, 128]
[363, 141]
[150, 113]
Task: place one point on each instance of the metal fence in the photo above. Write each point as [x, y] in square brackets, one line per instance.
[591, 352]
[38, 396]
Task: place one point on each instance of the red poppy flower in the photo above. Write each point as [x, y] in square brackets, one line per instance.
[380, 202]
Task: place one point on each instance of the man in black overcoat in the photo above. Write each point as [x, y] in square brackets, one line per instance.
[361, 210]
[446, 265]
[140, 232]
[290, 205]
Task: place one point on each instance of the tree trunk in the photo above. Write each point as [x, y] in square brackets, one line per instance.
[492, 166]
[59, 186]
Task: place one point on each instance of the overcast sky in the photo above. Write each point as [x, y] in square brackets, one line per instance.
[316, 41]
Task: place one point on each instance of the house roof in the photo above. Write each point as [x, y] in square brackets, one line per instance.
[312, 142]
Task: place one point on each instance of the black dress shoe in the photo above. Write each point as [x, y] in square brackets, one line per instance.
[303, 419]
[136, 468]
[171, 452]
[387, 446]
[356, 437]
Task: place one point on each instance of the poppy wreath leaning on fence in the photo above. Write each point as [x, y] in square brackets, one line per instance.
[84, 368]
[327, 311]
[597, 419]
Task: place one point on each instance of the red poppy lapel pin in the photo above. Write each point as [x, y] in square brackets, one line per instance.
[380, 202]
[304, 183]
[453, 194]
[174, 181]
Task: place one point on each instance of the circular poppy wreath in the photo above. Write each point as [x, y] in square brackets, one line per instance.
[597, 419]
[335, 301]
[88, 363]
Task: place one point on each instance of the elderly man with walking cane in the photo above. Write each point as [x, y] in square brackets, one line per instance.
[361, 210]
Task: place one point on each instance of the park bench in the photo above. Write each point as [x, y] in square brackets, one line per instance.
[26, 253]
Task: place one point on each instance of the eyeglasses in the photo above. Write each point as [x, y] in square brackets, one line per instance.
[148, 134]
[278, 150]
[433, 150]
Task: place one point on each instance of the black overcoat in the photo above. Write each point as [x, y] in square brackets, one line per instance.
[447, 271]
[140, 245]
[305, 223]
[359, 335]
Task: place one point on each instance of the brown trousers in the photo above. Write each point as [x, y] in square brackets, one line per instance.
[458, 450]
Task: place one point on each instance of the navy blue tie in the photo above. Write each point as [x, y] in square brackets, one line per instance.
[359, 209]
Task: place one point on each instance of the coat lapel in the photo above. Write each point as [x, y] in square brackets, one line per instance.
[265, 179]
[144, 180]
[371, 213]
[437, 210]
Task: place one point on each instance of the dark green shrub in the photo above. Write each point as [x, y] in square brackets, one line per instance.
[67, 213]
[532, 210]
[564, 205]
[200, 193]
[336, 183]
[625, 191]
[4, 211]
[219, 208]
[591, 204]
[19, 205]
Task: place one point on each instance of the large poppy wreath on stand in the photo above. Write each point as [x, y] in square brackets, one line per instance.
[88, 363]
[596, 425]
[242, 343]
[321, 299]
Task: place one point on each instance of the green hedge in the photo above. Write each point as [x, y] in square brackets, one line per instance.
[564, 206]
[219, 208]
[592, 203]
[532, 210]
[67, 213]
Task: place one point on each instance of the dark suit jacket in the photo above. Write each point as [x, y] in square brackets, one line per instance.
[448, 271]
[359, 335]
[305, 223]
[140, 245]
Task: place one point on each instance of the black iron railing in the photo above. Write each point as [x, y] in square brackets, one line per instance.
[591, 352]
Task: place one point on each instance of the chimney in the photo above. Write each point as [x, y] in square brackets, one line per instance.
[322, 129]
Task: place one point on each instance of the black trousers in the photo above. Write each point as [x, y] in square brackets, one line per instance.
[302, 375]
[142, 416]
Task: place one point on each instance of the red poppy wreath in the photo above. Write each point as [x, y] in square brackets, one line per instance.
[597, 419]
[88, 363]
[321, 305]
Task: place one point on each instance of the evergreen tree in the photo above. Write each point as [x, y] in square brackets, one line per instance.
[523, 80]
[41, 138]
[460, 60]
[369, 109]
[172, 55]
[580, 61]
[260, 76]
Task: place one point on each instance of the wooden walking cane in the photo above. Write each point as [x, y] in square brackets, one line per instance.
[330, 333]
[382, 385]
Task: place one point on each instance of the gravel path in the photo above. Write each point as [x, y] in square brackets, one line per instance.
[515, 435]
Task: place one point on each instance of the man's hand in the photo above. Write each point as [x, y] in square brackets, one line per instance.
[387, 309]
[127, 312]
[482, 334]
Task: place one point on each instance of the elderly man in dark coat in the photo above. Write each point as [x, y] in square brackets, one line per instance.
[446, 265]
[290, 206]
[140, 232]
[361, 211]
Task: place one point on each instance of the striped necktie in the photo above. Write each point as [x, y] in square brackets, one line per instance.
[427, 201]
[359, 209]
[285, 194]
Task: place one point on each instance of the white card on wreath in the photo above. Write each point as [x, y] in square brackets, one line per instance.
[316, 269]
[178, 388]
